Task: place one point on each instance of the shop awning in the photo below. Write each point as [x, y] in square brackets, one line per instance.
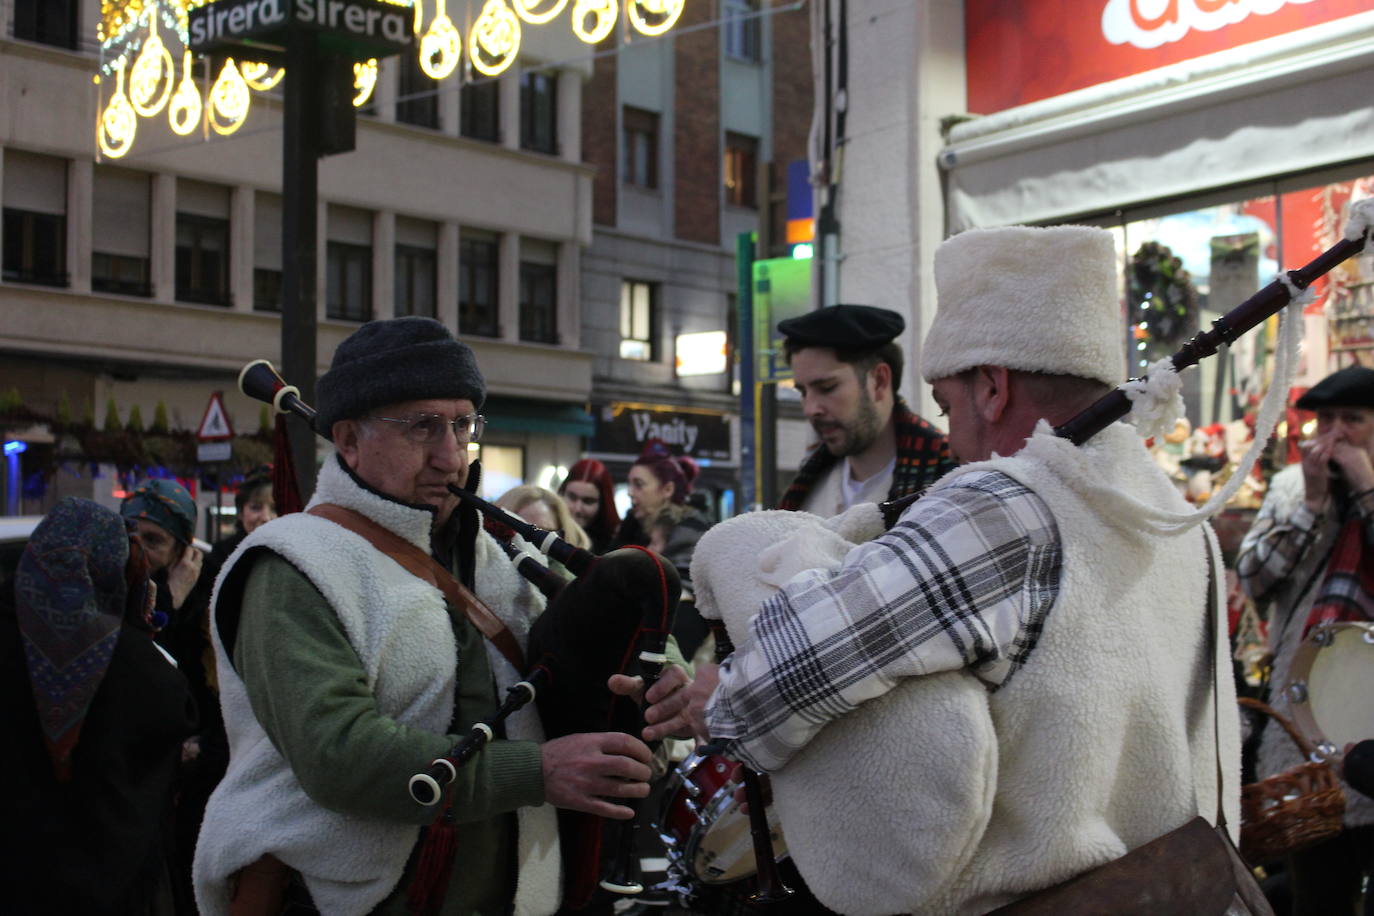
[1284, 105]
[526, 415]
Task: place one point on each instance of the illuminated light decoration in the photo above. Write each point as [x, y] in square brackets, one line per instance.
[15, 447]
[495, 39]
[229, 100]
[602, 15]
[442, 46]
[184, 112]
[255, 75]
[654, 17]
[118, 122]
[364, 80]
[529, 10]
[152, 75]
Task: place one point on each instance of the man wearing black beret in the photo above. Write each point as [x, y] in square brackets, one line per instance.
[342, 674]
[1309, 558]
[847, 366]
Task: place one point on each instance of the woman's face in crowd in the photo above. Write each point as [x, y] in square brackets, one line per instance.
[539, 515]
[584, 501]
[258, 509]
[647, 493]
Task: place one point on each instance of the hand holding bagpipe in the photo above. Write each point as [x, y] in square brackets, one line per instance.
[428, 787]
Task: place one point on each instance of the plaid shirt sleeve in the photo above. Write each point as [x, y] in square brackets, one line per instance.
[964, 580]
[1273, 546]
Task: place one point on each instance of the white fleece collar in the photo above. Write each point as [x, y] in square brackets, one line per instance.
[340, 486]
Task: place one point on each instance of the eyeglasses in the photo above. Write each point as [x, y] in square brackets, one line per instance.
[429, 428]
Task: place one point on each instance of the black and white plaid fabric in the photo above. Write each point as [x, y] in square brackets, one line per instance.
[964, 580]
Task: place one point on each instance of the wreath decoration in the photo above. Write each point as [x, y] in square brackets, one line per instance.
[1162, 291]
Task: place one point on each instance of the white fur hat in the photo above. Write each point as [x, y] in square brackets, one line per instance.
[1039, 300]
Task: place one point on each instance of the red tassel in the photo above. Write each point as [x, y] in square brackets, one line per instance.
[286, 492]
[434, 867]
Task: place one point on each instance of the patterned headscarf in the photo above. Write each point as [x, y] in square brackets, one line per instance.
[165, 503]
[71, 589]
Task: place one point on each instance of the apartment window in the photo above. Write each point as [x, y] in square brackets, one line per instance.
[52, 22]
[202, 266]
[417, 103]
[348, 265]
[480, 104]
[539, 112]
[267, 273]
[742, 27]
[638, 304]
[415, 273]
[267, 286]
[115, 273]
[35, 247]
[35, 218]
[640, 154]
[478, 272]
[741, 171]
[348, 281]
[202, 242]
[121, 217]
[538, 291]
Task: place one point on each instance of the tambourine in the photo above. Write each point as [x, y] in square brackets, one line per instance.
[1332, 677]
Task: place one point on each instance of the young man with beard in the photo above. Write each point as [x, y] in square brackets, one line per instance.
[847, 366]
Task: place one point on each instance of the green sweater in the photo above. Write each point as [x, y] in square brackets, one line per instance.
[309, 691]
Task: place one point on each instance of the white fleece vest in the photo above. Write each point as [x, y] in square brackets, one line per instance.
[941, 797]
[1105, 737]
[401, 631]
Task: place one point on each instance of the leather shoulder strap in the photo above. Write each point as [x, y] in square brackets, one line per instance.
[421, 565]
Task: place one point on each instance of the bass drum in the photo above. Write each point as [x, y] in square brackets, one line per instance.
[701, 824]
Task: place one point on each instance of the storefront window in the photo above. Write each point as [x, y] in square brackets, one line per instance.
[503, 467]
[1184, 268]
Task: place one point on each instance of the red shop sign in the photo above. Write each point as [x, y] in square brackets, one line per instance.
[1033, 49]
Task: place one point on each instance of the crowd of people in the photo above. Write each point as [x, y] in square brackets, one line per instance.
[232, 732]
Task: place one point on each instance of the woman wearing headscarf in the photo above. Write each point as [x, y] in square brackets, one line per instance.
[165, 516]
[95, 713]
[589, 492]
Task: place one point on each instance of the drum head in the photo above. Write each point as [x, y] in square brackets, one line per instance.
[1333, 671]
[721, 850]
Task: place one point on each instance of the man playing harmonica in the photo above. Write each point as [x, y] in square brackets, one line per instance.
[1310, 556]
[342, 674]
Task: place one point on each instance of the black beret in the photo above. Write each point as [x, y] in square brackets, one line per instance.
[1353, 386]
[399, 359]
[844, 327]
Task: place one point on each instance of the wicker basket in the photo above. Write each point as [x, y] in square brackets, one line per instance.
[1289, 811]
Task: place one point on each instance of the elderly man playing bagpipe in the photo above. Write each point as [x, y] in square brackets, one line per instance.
[341, 673]
[1021, 667]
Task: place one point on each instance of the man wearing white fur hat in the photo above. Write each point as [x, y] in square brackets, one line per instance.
[1040, 569]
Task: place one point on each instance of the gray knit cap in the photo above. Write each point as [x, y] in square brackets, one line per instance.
[399, 359]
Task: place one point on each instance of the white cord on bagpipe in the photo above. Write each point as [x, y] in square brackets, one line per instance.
[1158, 402]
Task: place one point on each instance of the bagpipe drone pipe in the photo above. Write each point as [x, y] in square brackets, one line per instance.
[613, 618]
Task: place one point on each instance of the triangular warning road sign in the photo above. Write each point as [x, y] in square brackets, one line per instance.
[215, 424]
